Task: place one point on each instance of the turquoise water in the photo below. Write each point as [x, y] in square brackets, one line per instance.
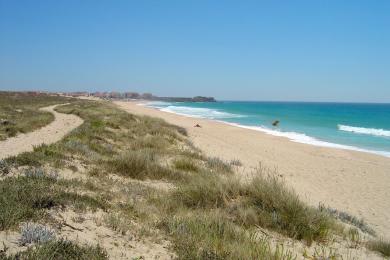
[364, 127]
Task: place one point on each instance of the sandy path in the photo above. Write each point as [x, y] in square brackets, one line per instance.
[356, 182]
[51, 133]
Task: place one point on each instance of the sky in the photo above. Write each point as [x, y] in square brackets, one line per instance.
[314, 50]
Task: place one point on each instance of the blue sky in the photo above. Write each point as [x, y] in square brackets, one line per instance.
[237, 50]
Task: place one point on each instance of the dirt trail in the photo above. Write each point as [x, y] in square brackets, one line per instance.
[51, 133]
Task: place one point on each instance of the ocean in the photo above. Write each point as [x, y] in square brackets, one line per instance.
[353, 126]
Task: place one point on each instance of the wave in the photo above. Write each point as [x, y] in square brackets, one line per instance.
[199, 112]
[157, 104]
[305, 139]
[293, 136]
[363, 130]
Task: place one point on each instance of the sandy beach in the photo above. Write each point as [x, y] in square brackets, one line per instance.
[355, 182]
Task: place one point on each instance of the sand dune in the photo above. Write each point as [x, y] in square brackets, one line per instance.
[53, 132]
[356, 182]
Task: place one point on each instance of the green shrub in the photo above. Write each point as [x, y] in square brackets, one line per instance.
[35, 233]
[61, 250]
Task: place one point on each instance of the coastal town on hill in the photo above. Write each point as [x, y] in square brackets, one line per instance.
[121, 96]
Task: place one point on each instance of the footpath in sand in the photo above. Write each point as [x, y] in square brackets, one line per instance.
[356, 182]
[51, 133]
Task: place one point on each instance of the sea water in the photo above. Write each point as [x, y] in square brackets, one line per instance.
[361, 127]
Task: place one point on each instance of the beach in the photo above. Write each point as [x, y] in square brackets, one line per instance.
[350, 181]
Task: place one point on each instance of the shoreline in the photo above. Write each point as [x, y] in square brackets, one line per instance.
[331, 176]
[291, 136]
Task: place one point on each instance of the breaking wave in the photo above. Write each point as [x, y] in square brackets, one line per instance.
[305, 139]
[363, 130]
[200, 112]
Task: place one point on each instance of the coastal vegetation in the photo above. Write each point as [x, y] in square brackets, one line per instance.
[19, 112]
[380, 246]
[146, 179]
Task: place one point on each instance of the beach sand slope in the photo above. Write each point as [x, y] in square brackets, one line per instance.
[355, 182]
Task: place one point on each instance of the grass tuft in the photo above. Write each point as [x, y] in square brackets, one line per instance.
[236, 162]
[380, 246]
[212, 236]
[219, 165]
[265, 202]
[348, 218]
[279, 208]
[186, 164]
[26, 198]
[138, 165]
[61, 250]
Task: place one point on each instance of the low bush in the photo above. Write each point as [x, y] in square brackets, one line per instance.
[61, 250]
[35, 233]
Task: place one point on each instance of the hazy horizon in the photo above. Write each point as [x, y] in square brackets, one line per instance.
[303, 51]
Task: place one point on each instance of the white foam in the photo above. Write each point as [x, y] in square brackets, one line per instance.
[363, 130]
[293, 136]
[305, 139]
[199, 112]
[155, 104]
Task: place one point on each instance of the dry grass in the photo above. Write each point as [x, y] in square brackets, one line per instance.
[27, 198]
[209, 235]
[186, 164]
[264, 202]
[61, 250]
[209, 214]
[19, 113]
[380, 246]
